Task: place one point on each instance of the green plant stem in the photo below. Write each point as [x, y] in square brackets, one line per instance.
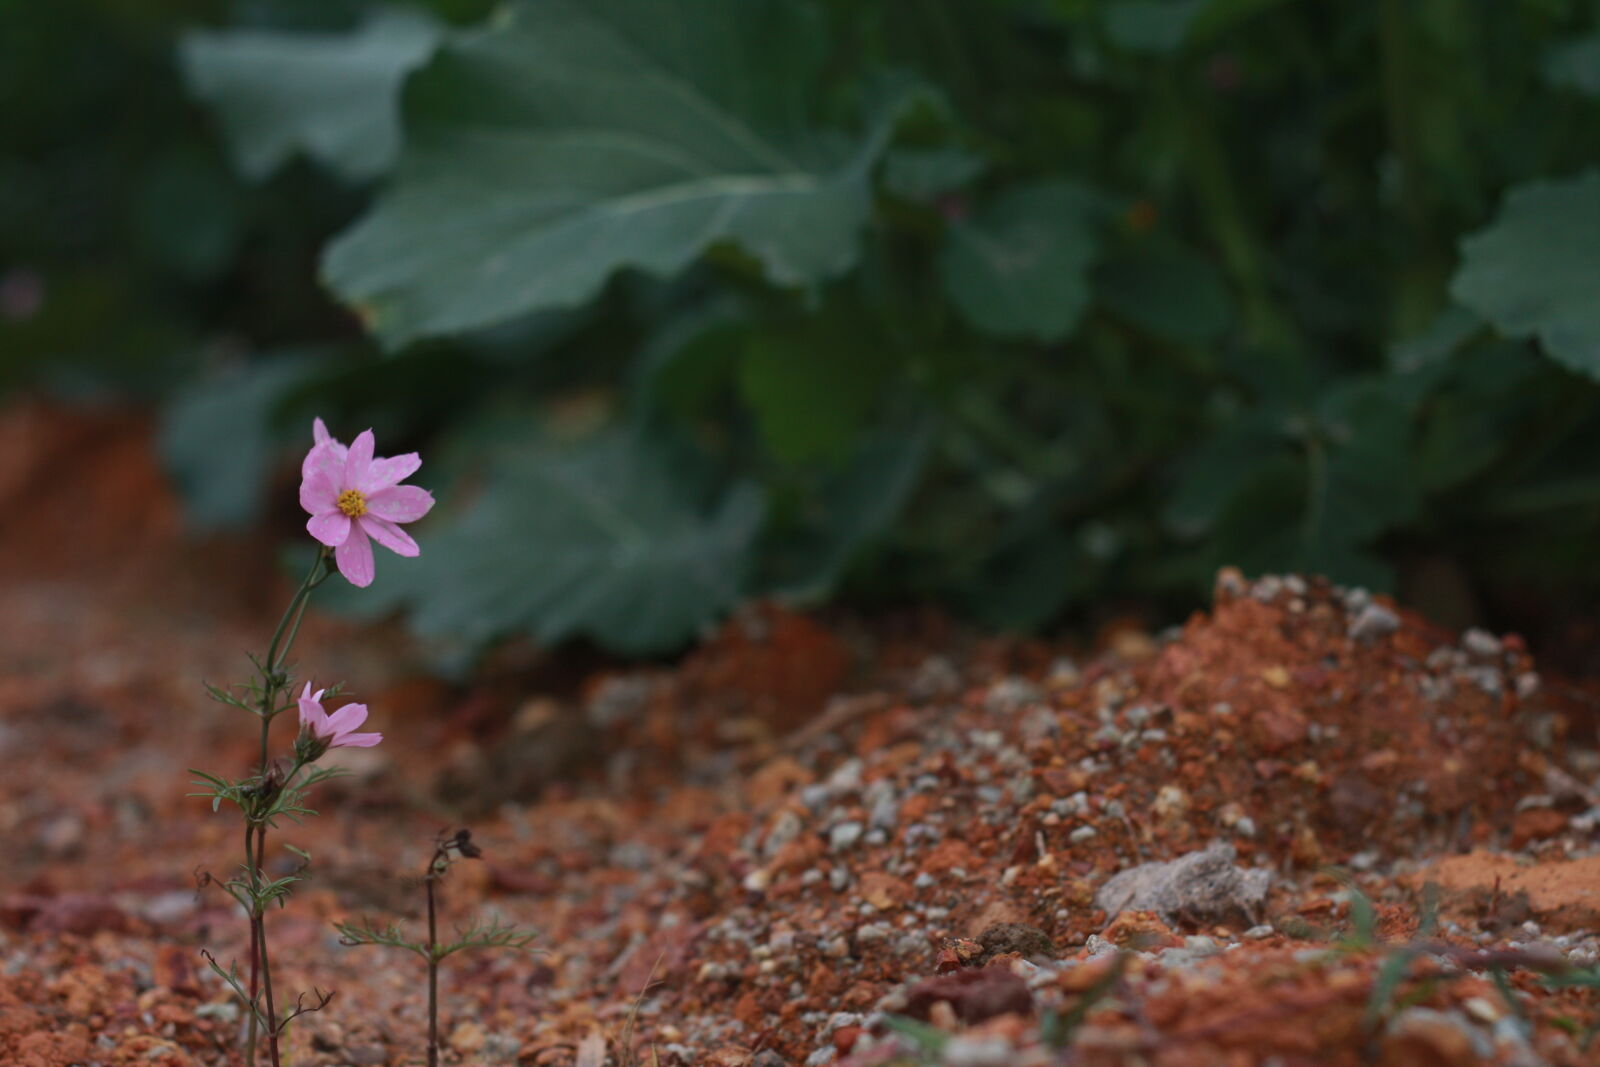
[266, 990]
[433, 977]
[255, 833]
[296, 604]
[255, 948]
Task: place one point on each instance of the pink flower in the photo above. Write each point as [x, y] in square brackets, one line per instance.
[336, 730]
[356, 498]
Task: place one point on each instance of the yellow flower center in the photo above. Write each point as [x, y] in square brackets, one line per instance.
[352, 503]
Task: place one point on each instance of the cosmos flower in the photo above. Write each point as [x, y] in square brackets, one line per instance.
[320, 731]
[355, 498]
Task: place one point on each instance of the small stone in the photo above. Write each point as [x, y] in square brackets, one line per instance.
[974, 994]
[619, 699]
[1200, 886]
[1481, 643]
[885, 812]
[1372, 622]
[1011, 695]
[978, 1052]
[468, 1037]
[1424, 1036]
[1267, 588]
[1171, 803]
[785, 828]
[935, 677]
[1024, 940]
[845, 835]
[1229, 583]
[501, 1048]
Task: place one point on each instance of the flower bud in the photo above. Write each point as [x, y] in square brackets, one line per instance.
[308, 747]
[464, 845]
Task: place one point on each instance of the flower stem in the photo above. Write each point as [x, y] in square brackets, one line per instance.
[433, 977]
[255, 832]
[294, 610]
[266, 989]
[255, 948]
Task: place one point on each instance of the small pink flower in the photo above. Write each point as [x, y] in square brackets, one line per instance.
[356, 498]
[336, 730]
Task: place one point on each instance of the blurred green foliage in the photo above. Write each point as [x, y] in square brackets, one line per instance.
[1019, 305]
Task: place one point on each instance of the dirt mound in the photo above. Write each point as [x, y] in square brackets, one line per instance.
[771, 853]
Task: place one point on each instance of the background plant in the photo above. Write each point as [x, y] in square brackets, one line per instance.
[1022, 306]
[493, 934]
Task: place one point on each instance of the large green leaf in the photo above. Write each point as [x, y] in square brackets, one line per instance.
[1535, 271]
[851, 508]
[218, 438]
[605, 540]
[1019, 266]
[1575, 65]
[1217, 468]
[572, 139]
[334, 96]
[1151, 25]
[1306, 486]
[811, 390]
[925, 174]
[1168, 290]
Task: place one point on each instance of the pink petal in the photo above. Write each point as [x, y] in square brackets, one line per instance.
[347, 718]
[317, 493]
[327, 457]
[319, 431]
[389, 535]
[357, 741]
[313, 717]
[359, 460]
[332, 528]
[400, 503]
[386, 472]
[354, 557]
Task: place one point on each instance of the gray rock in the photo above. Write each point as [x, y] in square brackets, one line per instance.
[885, 806]
[1203, 886]
[962, 1051]
[845, 835]
[1372, 622]
[1426, 1019]
[1481, 643]
[785, 828]
[934, 677]
[619, 699]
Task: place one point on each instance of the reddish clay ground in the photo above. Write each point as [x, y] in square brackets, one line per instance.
[770, 852]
